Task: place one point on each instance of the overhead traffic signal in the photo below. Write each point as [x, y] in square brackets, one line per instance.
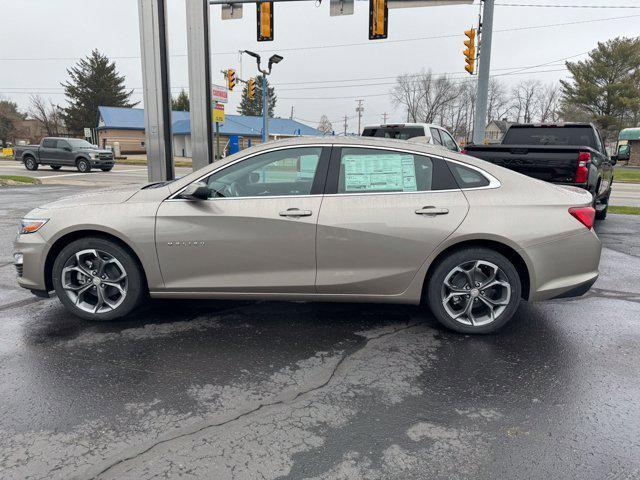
[470, 51]
[251, 88]
[231, 79]
[378, 19]
[265, 21]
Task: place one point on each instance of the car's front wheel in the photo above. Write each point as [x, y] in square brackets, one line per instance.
[97, 279]
[474, 290]
[83, 166]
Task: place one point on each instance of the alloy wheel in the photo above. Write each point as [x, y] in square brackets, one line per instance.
[95, 281]
[476, 293]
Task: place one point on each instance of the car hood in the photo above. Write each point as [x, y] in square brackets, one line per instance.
[100, 197]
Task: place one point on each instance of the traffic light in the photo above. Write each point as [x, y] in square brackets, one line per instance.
[378, 19]
[265, 21]
[231, 79]
[470, 51]
[251, 88]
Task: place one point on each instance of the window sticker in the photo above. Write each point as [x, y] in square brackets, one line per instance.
[379, 173]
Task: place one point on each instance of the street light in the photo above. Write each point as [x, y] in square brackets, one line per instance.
[265, 107]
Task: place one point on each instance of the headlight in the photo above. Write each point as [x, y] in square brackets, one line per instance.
[94, 155]
[31, 225]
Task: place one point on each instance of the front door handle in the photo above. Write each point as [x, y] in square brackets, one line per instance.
[295, 212]
[432, 211]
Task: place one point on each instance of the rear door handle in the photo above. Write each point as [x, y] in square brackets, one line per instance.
[432, 211]
[295, 212]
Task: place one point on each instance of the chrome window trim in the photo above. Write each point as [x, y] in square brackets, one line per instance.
[493, 181]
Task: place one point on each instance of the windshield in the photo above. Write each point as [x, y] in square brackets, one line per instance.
[576, 136]
[77, 143]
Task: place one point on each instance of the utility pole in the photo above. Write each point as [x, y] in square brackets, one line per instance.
[384, 117]
[346, 124]
[291, 116]
[360, 111]
[486, 33]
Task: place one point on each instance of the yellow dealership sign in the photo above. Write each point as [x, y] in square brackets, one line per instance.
[218, 113]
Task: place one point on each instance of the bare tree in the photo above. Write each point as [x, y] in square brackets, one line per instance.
[547, 103]
[325, 125]
[48, 114]
[498, 103]
[407, 93]
[524, 100]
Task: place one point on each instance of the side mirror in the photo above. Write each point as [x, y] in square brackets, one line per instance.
[196, 191]
[614, 159]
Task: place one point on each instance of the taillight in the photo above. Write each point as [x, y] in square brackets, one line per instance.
[585, 215]
[582, 172]
[464, 152]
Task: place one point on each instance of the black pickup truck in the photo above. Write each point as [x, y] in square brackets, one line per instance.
[566, 154]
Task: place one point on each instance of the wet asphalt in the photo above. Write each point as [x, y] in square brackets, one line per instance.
[258, 390]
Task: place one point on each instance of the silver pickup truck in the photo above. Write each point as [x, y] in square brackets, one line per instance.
[59, 152]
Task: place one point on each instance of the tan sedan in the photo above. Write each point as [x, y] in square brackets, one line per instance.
[351, 219]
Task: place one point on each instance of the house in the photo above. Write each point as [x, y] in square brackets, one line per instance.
[631, 137]
[496, 129]
[126, 127]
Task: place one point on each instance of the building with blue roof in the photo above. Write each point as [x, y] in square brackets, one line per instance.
[125, 126]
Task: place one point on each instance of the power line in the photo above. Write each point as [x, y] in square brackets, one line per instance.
[563, 6]
[341, 45]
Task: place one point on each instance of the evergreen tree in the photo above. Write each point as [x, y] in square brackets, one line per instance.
[254, 107]
[181, 103]
[94, 82]
[606, 85]
[9, 115]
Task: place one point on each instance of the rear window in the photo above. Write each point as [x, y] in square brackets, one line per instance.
[569, 136]
[400, 133]
[467, 177]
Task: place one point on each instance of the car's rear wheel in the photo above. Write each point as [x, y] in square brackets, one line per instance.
[83, 166]
[30, 163]
[55, 167]
[97, 279]
[474, 290]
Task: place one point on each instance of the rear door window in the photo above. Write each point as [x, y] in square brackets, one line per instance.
[48, 143]
[468, 177]
[448, 142]
[382, 171]
[435, 135]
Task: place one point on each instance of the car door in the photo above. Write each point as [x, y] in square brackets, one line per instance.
[384, 212]
[255, 233]
[63, 154]
[47, 151]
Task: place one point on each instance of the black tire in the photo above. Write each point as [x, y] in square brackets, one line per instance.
[136, 289]
[434, 289]
[31, 164]
[55, 167]
[106, 169]
[602, 214]
[83, 165]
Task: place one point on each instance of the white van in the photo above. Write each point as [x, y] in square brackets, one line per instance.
[432, 134]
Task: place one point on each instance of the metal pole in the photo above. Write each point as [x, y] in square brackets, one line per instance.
[156, 91]
[265, 110]
[200, 82]
[480, 122]
[359, 109]
[218, 155]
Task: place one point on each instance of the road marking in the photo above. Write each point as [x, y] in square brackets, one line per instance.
[53, 175]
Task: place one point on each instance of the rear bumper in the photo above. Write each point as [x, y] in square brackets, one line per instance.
[564, 268]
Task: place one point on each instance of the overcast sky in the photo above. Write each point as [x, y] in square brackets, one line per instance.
[40, 39]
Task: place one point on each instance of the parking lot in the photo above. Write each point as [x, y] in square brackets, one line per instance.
[211, 389]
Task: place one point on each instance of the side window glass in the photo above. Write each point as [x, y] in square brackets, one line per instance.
[448, 142]
[280, 173]
[435, 134]
[467, 177]
[378, 171]
[62, 145]
[49, 144]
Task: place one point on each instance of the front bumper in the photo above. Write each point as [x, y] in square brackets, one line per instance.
[31, 248]
[97, 163]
